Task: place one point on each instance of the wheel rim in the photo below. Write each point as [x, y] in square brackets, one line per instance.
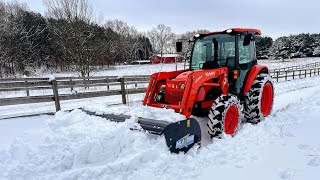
[266, 99]
[231, 119]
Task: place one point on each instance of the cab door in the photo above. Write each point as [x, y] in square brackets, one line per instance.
[247, 59]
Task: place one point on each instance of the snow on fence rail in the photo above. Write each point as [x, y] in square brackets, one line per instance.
[297, 67]
[28, 84]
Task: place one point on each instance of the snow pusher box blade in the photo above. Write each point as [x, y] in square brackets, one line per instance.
[180, 135]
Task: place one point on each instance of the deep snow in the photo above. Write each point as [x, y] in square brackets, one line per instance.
[77, 146]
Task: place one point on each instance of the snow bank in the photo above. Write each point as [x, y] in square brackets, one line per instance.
[77, 141]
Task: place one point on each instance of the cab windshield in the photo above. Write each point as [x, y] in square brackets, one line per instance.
[215, 50]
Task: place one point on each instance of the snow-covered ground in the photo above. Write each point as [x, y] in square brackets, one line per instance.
[148, 69]
[78, 146]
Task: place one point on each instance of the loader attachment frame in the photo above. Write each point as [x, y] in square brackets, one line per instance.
[194, 80]
[180, 136]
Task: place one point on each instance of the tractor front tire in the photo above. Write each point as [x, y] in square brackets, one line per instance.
[224, 116]
[259, 99]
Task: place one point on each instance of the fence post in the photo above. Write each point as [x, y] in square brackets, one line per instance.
[56, 95]
[108, 87]
[277, 76]
[293, 74]
[27, 90]
[71, 86]
[123, 90]
[305, 73]
[286, 78]
[300, 74]
[310, 72]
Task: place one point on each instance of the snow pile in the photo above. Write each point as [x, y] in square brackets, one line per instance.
[135, 110]
[77, 141]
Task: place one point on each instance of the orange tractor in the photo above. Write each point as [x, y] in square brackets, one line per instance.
[223, 82]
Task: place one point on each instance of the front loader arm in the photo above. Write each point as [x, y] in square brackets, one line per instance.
[198, 79]
[154, 80]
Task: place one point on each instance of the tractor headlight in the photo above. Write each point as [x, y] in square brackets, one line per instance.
[229, 31]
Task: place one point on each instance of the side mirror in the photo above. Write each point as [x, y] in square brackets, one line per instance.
[215, 43]
[215, 48]
[179, 46]
[247, 39]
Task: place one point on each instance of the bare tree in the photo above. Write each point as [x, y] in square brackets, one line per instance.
[128, 41]
[185, 37]
[70, 10]
[9, 30]
[77, 32]
[162, 39]
[118, 26]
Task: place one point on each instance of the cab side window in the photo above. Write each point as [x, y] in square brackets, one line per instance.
[246, 53]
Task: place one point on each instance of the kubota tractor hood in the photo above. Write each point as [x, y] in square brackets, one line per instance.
[183, 75]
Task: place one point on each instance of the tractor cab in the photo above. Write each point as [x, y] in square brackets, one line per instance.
[233, 48]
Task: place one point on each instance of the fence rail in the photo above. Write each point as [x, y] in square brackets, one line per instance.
[120, 85]
[297, 67]
[28, 84]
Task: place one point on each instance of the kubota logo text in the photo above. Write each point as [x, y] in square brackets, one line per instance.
[198, 79]
[210, 73]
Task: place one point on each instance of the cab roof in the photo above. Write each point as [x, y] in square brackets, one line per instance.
[237, 30]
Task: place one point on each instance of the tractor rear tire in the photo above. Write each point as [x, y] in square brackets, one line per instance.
[259, 99]
[224, 116]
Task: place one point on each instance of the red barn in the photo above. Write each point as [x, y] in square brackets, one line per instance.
[166, 58]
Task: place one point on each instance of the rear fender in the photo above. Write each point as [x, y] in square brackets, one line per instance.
[257, 69]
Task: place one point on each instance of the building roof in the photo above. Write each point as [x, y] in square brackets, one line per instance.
[141, 61]
[167, 55]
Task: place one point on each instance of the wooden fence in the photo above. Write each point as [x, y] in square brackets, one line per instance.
[297, 67]
[119, 84]
[295, 74]
[28, 84]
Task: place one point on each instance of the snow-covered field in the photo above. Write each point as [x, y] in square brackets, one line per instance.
[149, 69]
[78, 146]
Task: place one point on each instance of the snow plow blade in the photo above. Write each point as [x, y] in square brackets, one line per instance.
[180, 136]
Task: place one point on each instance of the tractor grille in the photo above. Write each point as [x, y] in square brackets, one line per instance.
[174, 91]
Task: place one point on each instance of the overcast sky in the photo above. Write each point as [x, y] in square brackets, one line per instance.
[273, 17]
